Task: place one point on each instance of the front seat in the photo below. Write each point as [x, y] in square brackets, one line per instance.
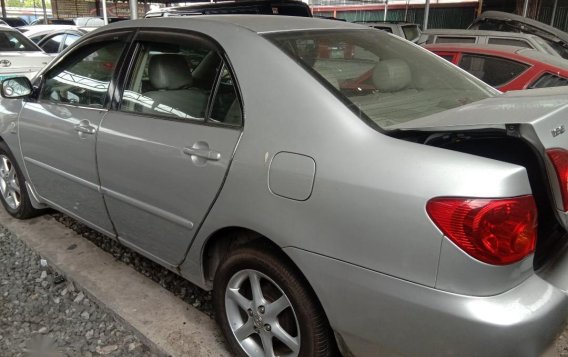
[174, 95]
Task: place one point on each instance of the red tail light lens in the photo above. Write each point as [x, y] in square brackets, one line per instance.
[559, 158]
[494, 231]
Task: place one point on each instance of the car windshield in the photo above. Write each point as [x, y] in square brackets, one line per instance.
[381, 77]
[15, 41]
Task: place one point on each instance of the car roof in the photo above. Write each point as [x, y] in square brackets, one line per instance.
[254, 23]
[222, 4]
[477, 33]
[385, 23]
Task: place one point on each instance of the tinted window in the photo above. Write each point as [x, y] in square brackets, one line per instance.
[172, 80]
[549, 80]
[492, 70]
[36, 39]
[15, 41]
[455, 39]
[84, 79]
[449, 58]
[380, 77]
[52, 45]
[508, 42]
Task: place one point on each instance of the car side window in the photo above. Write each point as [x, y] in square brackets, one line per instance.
[226, 107]
[492, 70]
[172, 80]
[84, 79]
[549, 80]
[69, 40]
[52, 44]
[508, 42]
[455, 39]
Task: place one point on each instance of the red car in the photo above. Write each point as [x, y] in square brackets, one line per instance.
[505, 67]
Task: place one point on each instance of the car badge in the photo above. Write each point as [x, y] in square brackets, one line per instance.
[5, 63]
[555, 132]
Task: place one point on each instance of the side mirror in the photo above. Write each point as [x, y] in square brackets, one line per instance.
[16, 87]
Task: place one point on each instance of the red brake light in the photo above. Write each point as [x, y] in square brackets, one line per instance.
[494, 231]
[559, 158]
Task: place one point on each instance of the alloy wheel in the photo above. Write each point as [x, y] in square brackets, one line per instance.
[261, 316]
[9, 184]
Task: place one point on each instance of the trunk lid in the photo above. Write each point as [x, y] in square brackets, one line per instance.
[537, 116]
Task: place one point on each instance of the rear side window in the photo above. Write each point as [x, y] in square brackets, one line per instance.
[492, 70]
[508, 42]
[455, 39]
[549, 80]
[172, 80]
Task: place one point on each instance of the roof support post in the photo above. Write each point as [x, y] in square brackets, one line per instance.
[525, 8]
[43, 9]
[426, 13]
[386, 9]
[105, 16]
[3, 4]
[553, 12]
[133, 9]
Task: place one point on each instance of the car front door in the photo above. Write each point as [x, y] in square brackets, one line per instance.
[164, 153]
[58, 128]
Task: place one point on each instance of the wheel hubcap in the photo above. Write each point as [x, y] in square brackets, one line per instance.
[261, 316]
[9, 185]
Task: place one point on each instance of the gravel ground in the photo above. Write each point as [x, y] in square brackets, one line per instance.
[42, 315]
[36, 313]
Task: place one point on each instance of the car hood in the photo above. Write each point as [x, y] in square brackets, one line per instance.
[534, 106]
[22, 62]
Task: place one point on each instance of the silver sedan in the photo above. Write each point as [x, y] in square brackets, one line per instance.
[340, 190]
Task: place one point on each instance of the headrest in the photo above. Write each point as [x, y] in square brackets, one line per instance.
[169, 71]
[391, 75]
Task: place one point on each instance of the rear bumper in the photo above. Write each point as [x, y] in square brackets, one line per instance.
[375, 314]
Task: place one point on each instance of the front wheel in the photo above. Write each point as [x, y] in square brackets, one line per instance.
[265, 308]
[13, 191]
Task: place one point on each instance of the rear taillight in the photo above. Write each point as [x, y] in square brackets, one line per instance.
[559, 158]
[494, 231]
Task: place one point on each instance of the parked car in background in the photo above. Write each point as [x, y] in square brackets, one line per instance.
[59, 40]
[95, 21]
[406, 30]
[18, 55]
[504, 21]
[423, 215]
[261, 7]
[37, 32]
[505, 67]
[483, 37]
[52, 21]
[14, 21]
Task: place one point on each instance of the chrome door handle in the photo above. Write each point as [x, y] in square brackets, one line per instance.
[206, 154]
[85, 127]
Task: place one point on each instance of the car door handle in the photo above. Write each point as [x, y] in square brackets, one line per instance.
[206, 154]
[85, 127]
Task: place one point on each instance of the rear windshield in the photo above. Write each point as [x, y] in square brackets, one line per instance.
[15, 41]
[380, 77]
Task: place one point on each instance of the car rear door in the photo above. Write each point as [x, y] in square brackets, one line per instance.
[58, 129]
[164, 153]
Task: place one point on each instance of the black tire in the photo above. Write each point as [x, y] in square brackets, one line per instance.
[316, 337]
[24, 209]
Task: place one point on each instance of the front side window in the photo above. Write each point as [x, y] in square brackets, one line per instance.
[70, 39]
[411, 32]
[380, 77]
[84, 78]
[172, 80]
[494, 71]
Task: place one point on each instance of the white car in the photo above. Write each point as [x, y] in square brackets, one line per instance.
[19, 56]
